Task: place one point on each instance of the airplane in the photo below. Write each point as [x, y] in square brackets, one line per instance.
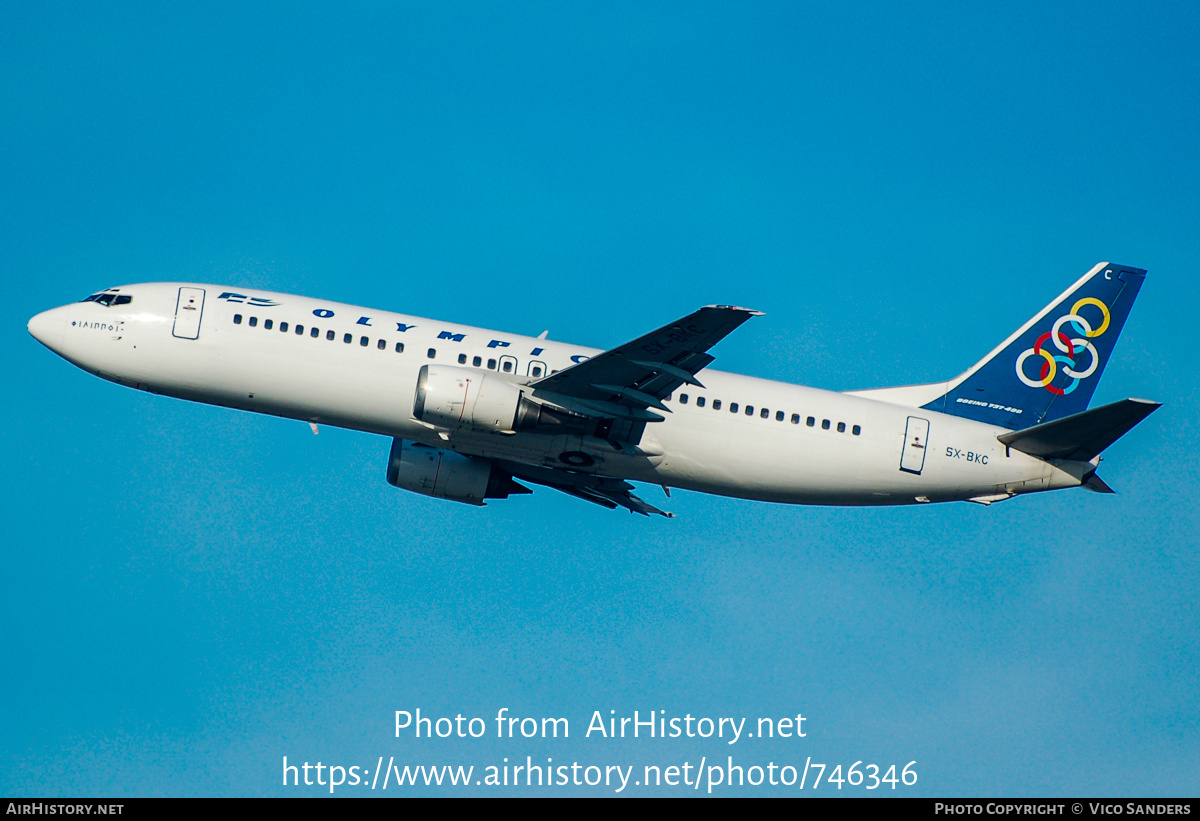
[473, 413]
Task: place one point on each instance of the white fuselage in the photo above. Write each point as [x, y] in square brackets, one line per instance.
[357, 368]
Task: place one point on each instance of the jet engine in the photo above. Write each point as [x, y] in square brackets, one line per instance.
[445, 474]
[450, 397]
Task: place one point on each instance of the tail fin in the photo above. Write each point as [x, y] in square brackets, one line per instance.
[1050, 366]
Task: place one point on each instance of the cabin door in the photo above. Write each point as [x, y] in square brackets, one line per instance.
[916, 437]
[188, 310]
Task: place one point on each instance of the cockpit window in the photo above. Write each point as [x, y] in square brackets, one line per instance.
[107, 298]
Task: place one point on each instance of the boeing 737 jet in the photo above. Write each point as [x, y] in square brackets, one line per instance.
[473, 413]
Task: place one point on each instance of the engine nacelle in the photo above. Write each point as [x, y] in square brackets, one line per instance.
[450, 397]
[445, 474]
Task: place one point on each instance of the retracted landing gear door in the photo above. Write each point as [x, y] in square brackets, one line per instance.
[188, 311]
[916, 436]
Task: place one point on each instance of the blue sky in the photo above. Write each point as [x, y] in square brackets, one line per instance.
[193, 593]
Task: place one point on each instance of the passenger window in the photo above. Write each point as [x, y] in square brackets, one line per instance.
[716, 404]
[683, 398]
[749, 410]
[508, 367]
[841, 427]
[477, 361]
[268, 324]
[399, 347]
[795, 419]
[348, 338]
[537, 370]
[733, 407]
[381, 344]
[491, 364]
[462, 359]
[253, 321]
[431, 353]
[314, 333]
[699, 401]
[364, 341]
[778, 416]
[811, 421]
[299, 330]
[283, 327]
[856, 430]
[237, 319]
[824, 424]
[330, 335]
[765, 414]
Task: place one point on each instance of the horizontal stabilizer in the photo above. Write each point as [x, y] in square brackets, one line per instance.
[1097, 485]
[1082, 436]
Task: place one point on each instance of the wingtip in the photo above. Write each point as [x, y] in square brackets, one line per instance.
[738, 308]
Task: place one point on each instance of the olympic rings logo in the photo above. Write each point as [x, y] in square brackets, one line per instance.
[1070, 350]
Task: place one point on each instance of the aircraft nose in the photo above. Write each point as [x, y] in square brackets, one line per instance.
[48, 327]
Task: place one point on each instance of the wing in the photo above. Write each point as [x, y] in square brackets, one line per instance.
[629, 380]
[606, 492]
[620, 386]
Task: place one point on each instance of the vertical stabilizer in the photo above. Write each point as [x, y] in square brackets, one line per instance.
[1050, 366]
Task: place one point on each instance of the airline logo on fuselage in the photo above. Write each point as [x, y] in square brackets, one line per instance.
[1073, 352]
[401, 327]
[256, 301]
